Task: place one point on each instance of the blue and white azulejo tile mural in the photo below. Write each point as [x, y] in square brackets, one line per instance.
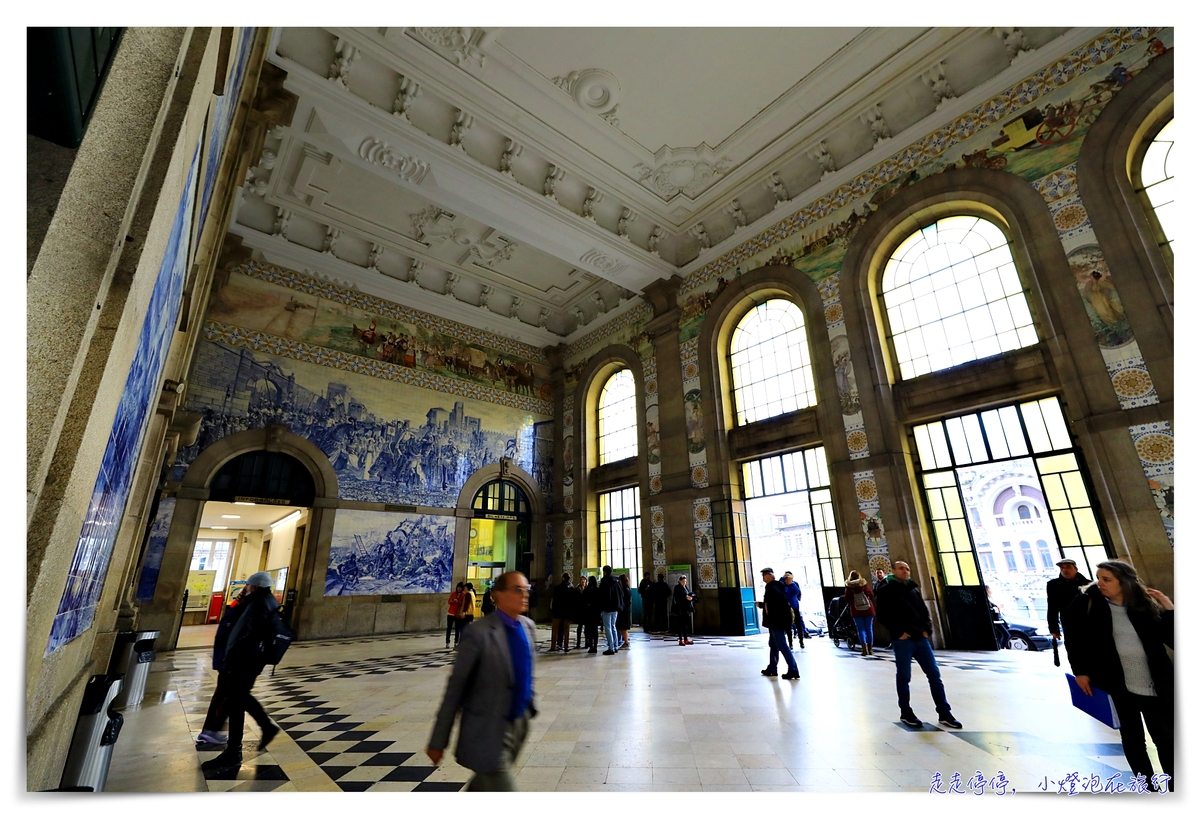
[378, 552]
[85, 578]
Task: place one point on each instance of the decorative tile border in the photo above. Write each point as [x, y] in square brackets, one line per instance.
[1126, 367]
[658, 537]
[301, 351]
[706, 547]
[1155, 444]
[693, 413]
[568, 453]
[312, 285]
[1004, 104]
[641, 312]
[568, 541]
[653, 449]
[867, 493]
[843, 367]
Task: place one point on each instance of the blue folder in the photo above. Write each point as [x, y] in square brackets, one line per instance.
[1099, 705]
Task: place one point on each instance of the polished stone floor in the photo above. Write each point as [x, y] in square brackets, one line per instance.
[357, 713]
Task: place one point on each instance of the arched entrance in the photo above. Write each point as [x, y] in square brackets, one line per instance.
[500, 533]
[282, 476]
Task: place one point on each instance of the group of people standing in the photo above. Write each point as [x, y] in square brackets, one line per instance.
[591, 606]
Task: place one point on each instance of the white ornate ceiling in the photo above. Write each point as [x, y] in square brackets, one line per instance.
[531, 180]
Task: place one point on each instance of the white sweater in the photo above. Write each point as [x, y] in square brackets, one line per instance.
[1133, 655]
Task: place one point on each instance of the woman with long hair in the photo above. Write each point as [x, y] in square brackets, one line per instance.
[466, 610]
[1118, 632]
[860, 601]
[623, 616]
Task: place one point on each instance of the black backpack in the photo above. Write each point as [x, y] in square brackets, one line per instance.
[275, 648]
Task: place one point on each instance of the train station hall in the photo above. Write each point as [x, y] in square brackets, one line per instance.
[582, 409]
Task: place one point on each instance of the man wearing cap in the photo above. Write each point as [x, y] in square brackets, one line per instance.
[1060, 591]
[245, 657]
[777, 617]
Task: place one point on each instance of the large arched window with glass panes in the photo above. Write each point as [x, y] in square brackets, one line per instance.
[769, 362]
[616, 421]
[952, 295]
[1158, 182]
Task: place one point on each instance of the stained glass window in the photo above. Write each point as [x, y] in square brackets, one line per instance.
[952, 295]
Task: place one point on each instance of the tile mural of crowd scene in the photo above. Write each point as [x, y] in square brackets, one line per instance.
[377, 552]
[252, 303]
[388, 442]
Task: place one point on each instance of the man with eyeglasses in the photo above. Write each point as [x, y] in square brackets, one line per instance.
[492, 684]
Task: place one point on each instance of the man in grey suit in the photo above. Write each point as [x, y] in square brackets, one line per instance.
[492, 684]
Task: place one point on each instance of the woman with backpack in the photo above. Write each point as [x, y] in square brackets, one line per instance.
[860, 601]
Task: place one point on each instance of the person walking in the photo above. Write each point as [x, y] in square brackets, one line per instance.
[466, 611]
[791, 589]
[610, 606]
[625, 615]
[860, 601]
[645, 593]
[246, 654]
[777, 617]
[899, 606]
[1119, 631]
[1061, 592]
[452, 606]
[591, 614]
[211, 735]
[492, 686]
[562, 604]
[684, 606]
[662, 602]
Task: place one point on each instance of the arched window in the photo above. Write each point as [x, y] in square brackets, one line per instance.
[617, 418]
[769, 361]
[952, 295]
[1159, 182]
[1023, 512]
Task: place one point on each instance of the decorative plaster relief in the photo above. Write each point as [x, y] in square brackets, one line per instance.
[603, 262]
[595, 91]
[409, 168]
[459, 45]
[690, 177]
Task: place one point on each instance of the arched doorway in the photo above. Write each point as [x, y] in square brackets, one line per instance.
[279, 493]
[499, 541]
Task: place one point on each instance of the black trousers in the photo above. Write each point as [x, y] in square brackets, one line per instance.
[1159, 714]
[593, 636]
[214, 720]
[240, 702]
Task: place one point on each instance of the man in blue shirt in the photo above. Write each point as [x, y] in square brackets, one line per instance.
[492, 685]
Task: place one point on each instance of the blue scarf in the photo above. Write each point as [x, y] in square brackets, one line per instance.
[522, 660]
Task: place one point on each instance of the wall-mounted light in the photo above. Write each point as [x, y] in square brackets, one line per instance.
[231, 516]
[295, 515]
[218, 527]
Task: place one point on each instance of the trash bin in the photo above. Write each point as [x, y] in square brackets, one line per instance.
[132, 656]
[95, 734]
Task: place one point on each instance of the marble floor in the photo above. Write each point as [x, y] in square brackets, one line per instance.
[357, 714]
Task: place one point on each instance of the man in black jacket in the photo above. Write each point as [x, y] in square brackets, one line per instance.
[610, 604]
[662, 600]
[562, 608]
[898, 605]
[1061, 592]
[777, 617]
[645, 587]
[245, 657]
